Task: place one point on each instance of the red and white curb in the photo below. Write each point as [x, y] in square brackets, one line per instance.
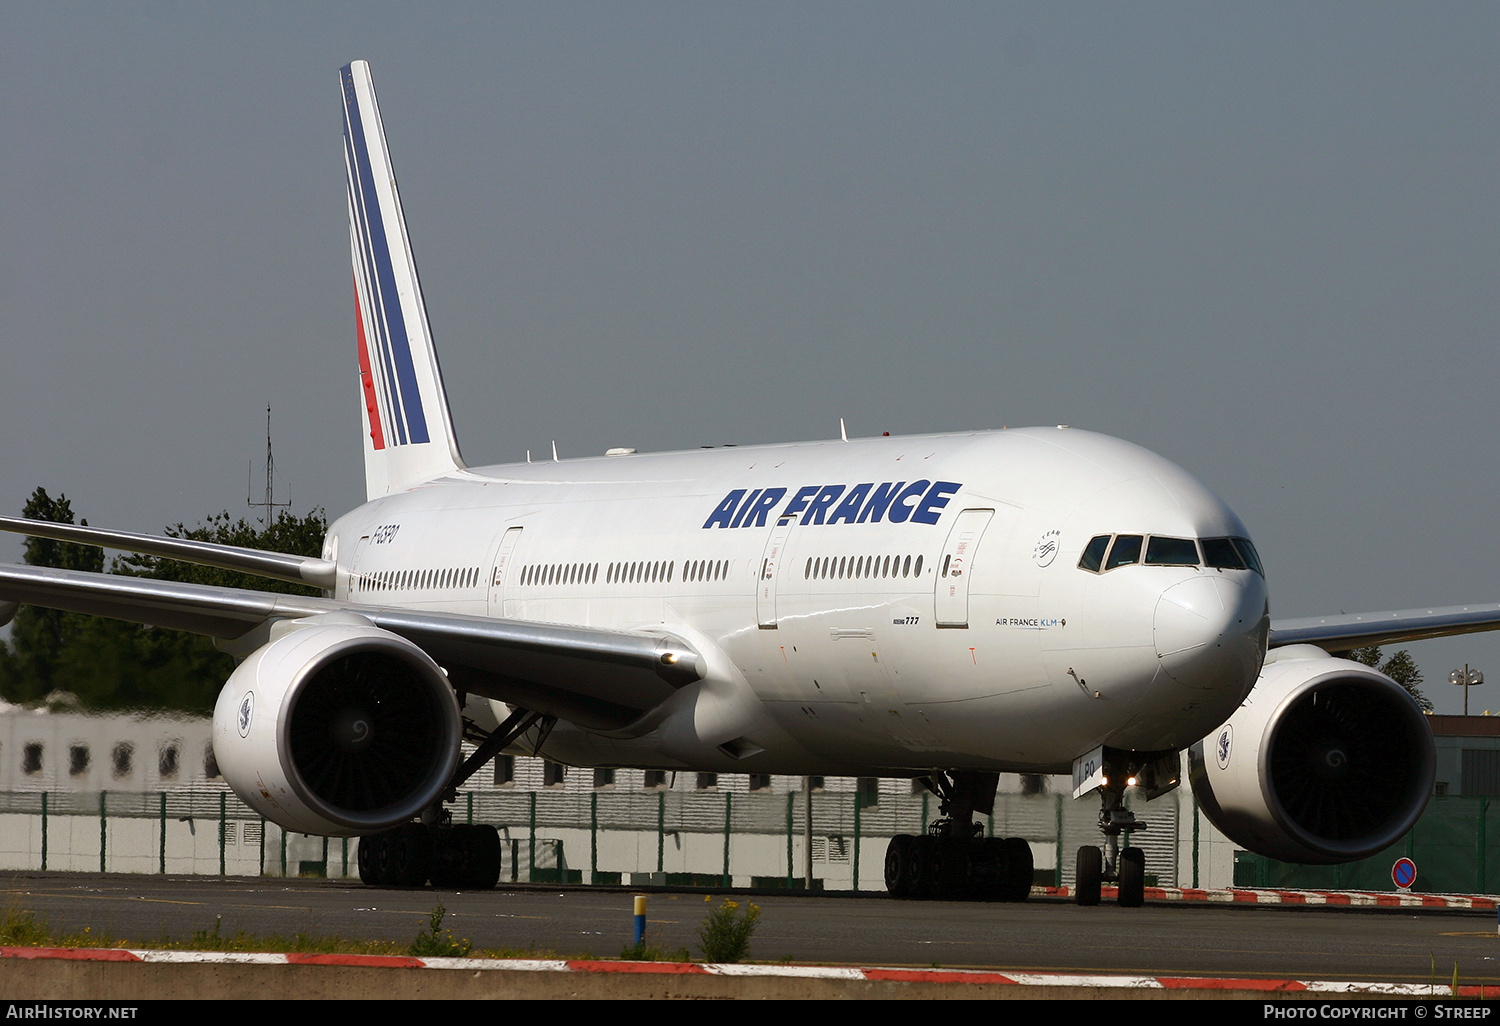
[1366, 899]
[957, 976]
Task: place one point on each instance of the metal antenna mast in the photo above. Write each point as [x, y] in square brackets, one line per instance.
[268, 504]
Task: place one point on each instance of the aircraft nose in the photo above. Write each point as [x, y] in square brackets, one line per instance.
[1210, 631]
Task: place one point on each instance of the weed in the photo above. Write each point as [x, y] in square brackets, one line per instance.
[434, 941]
[725, 934]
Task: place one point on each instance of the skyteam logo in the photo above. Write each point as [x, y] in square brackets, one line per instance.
[896, 502]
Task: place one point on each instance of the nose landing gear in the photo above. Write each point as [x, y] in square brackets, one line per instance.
[1126, 868]
[1110, 771]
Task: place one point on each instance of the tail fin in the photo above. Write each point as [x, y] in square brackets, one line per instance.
[410, 435]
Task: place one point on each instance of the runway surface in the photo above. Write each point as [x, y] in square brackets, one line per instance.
[1324, 942]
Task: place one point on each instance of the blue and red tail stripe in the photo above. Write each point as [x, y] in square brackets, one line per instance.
[377, 291]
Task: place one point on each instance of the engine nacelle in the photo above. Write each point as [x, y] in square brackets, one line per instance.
[337, 728]
[1327, 761]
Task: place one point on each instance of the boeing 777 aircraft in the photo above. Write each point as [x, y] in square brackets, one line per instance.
[939, 607]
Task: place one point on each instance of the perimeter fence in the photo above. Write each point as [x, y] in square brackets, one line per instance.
[638, 837]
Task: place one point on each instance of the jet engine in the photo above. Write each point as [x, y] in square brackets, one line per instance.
[1327, 761]
[337, 728]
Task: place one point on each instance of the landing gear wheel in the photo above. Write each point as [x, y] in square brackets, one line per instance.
[1089, 870]
[447, 860]
[483, 845]
[467, 858]
[410, 855]
[1018, 868]
[1132, 878]
[987, 869]
[899, 855]
[374, 859]
[924, 867]
[952, 874]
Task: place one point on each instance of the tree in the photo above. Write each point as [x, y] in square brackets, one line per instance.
[301, 536]
[1401, 668]
[111, 664]
[39, 637]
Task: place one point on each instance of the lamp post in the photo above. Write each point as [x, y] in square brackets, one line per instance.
[1466, 679]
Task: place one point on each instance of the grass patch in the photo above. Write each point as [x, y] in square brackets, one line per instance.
[20, 928]
[652, 951]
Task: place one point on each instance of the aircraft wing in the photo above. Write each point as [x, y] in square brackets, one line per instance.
[598, 678]
[1358, 630]
[280, 566]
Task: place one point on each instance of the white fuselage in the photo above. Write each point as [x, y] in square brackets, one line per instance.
[923, 609]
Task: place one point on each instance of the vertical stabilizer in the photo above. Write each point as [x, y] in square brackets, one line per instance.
[409, 431]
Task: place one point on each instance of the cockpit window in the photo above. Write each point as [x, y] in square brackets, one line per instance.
[1217, 553]
[1093, 553]
[1221, 554]
[1251, 556]
[1171, 551]
[1127, 549]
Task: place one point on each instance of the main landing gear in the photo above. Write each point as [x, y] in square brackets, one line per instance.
[951, 861]
[460, 856]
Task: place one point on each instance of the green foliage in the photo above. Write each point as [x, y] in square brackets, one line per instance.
[110, 664]
[300, 536]
[1401, 668]
[41, 637]
[302, 943]
[20, 928]
[435, 942]
[652, 951]
[725, 934]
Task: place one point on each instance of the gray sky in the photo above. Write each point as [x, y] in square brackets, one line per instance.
[1259, 239]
